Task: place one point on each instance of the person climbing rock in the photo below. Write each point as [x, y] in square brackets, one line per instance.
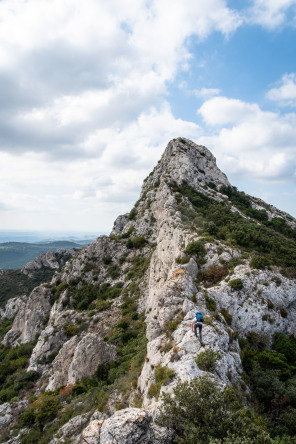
[197, 323]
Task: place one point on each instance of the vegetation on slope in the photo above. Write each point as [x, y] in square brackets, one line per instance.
[14, 283]
[202, 412]
[271, 374]
[269, 242]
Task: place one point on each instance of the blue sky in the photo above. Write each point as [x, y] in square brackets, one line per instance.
[91, 93]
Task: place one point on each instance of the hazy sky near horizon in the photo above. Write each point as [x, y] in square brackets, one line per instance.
[91, 93]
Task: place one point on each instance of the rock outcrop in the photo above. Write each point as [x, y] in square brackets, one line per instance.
[31, 318]
[50, 259]
[80, 359]
[126, 426]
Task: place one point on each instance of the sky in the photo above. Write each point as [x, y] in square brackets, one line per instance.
[91, 93]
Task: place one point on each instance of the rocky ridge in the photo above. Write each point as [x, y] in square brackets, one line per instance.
[147, 275]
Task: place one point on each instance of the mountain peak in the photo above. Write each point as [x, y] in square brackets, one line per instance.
[185, 161]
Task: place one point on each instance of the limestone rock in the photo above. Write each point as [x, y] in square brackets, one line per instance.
[89, 353]
[71, 430]
[31, 318]
[119, 224]
[186, 161]
[9, 412]
[12, 306]
[128, 426]
[79, 359]
[49, 259]
[53, 337]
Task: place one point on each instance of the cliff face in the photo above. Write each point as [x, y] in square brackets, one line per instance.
[122, 308]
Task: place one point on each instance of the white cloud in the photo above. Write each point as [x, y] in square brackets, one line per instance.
[285, 94]
[84, 110]
[221, 110]
[70, 68]
[272, 13]
[255, 143]
[84, 193]
[206, 92]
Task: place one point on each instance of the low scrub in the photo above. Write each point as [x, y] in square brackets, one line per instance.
[236, 284]
[207, 359]
[202, 412]
[163, 376]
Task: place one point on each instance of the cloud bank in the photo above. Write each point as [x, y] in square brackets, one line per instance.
[86, 112]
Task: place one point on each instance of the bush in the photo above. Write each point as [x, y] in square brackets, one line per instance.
[207, 359]
[44, 409]
[236, 284]
[210, 303]
[227, 316]
[59, 289]
[107, 260]
[154, 390]
[182, 260]
[201, 410]
[132, 214]
[213, 274]
[283, 312]
[173, 324]
[196, 248]
[32, 437]
[260, 262]
[163, 375]
[136, 242]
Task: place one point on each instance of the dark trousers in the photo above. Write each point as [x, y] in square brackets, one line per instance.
[199, 325]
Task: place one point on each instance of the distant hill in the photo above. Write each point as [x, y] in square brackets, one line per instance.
[14, 255]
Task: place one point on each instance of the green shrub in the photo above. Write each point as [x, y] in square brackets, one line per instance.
[173, 324]
[196, 248]
[227, 316]
[128, 233]
[207, 359]
[182, 260]
[107, 260]
[201, 411]
[210, 303]
[114, 271]
[27, 417]
[136, 242]
[102, 305]
[236, 284]
[132, 214]
[163, 375]
[45, 408]
[283, 312]
[260, 262]
[70, 329]
[41, 411]
[59, 289]
[154, 390]
[32, 437]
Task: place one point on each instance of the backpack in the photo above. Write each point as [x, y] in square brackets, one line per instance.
[199, 317]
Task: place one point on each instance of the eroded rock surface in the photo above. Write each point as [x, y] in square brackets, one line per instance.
[80, 359]
[128, 426]
[31, 318]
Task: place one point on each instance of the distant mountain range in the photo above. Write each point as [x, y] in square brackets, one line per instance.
[14, 255]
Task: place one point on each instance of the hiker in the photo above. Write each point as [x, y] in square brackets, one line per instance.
[197, 322]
